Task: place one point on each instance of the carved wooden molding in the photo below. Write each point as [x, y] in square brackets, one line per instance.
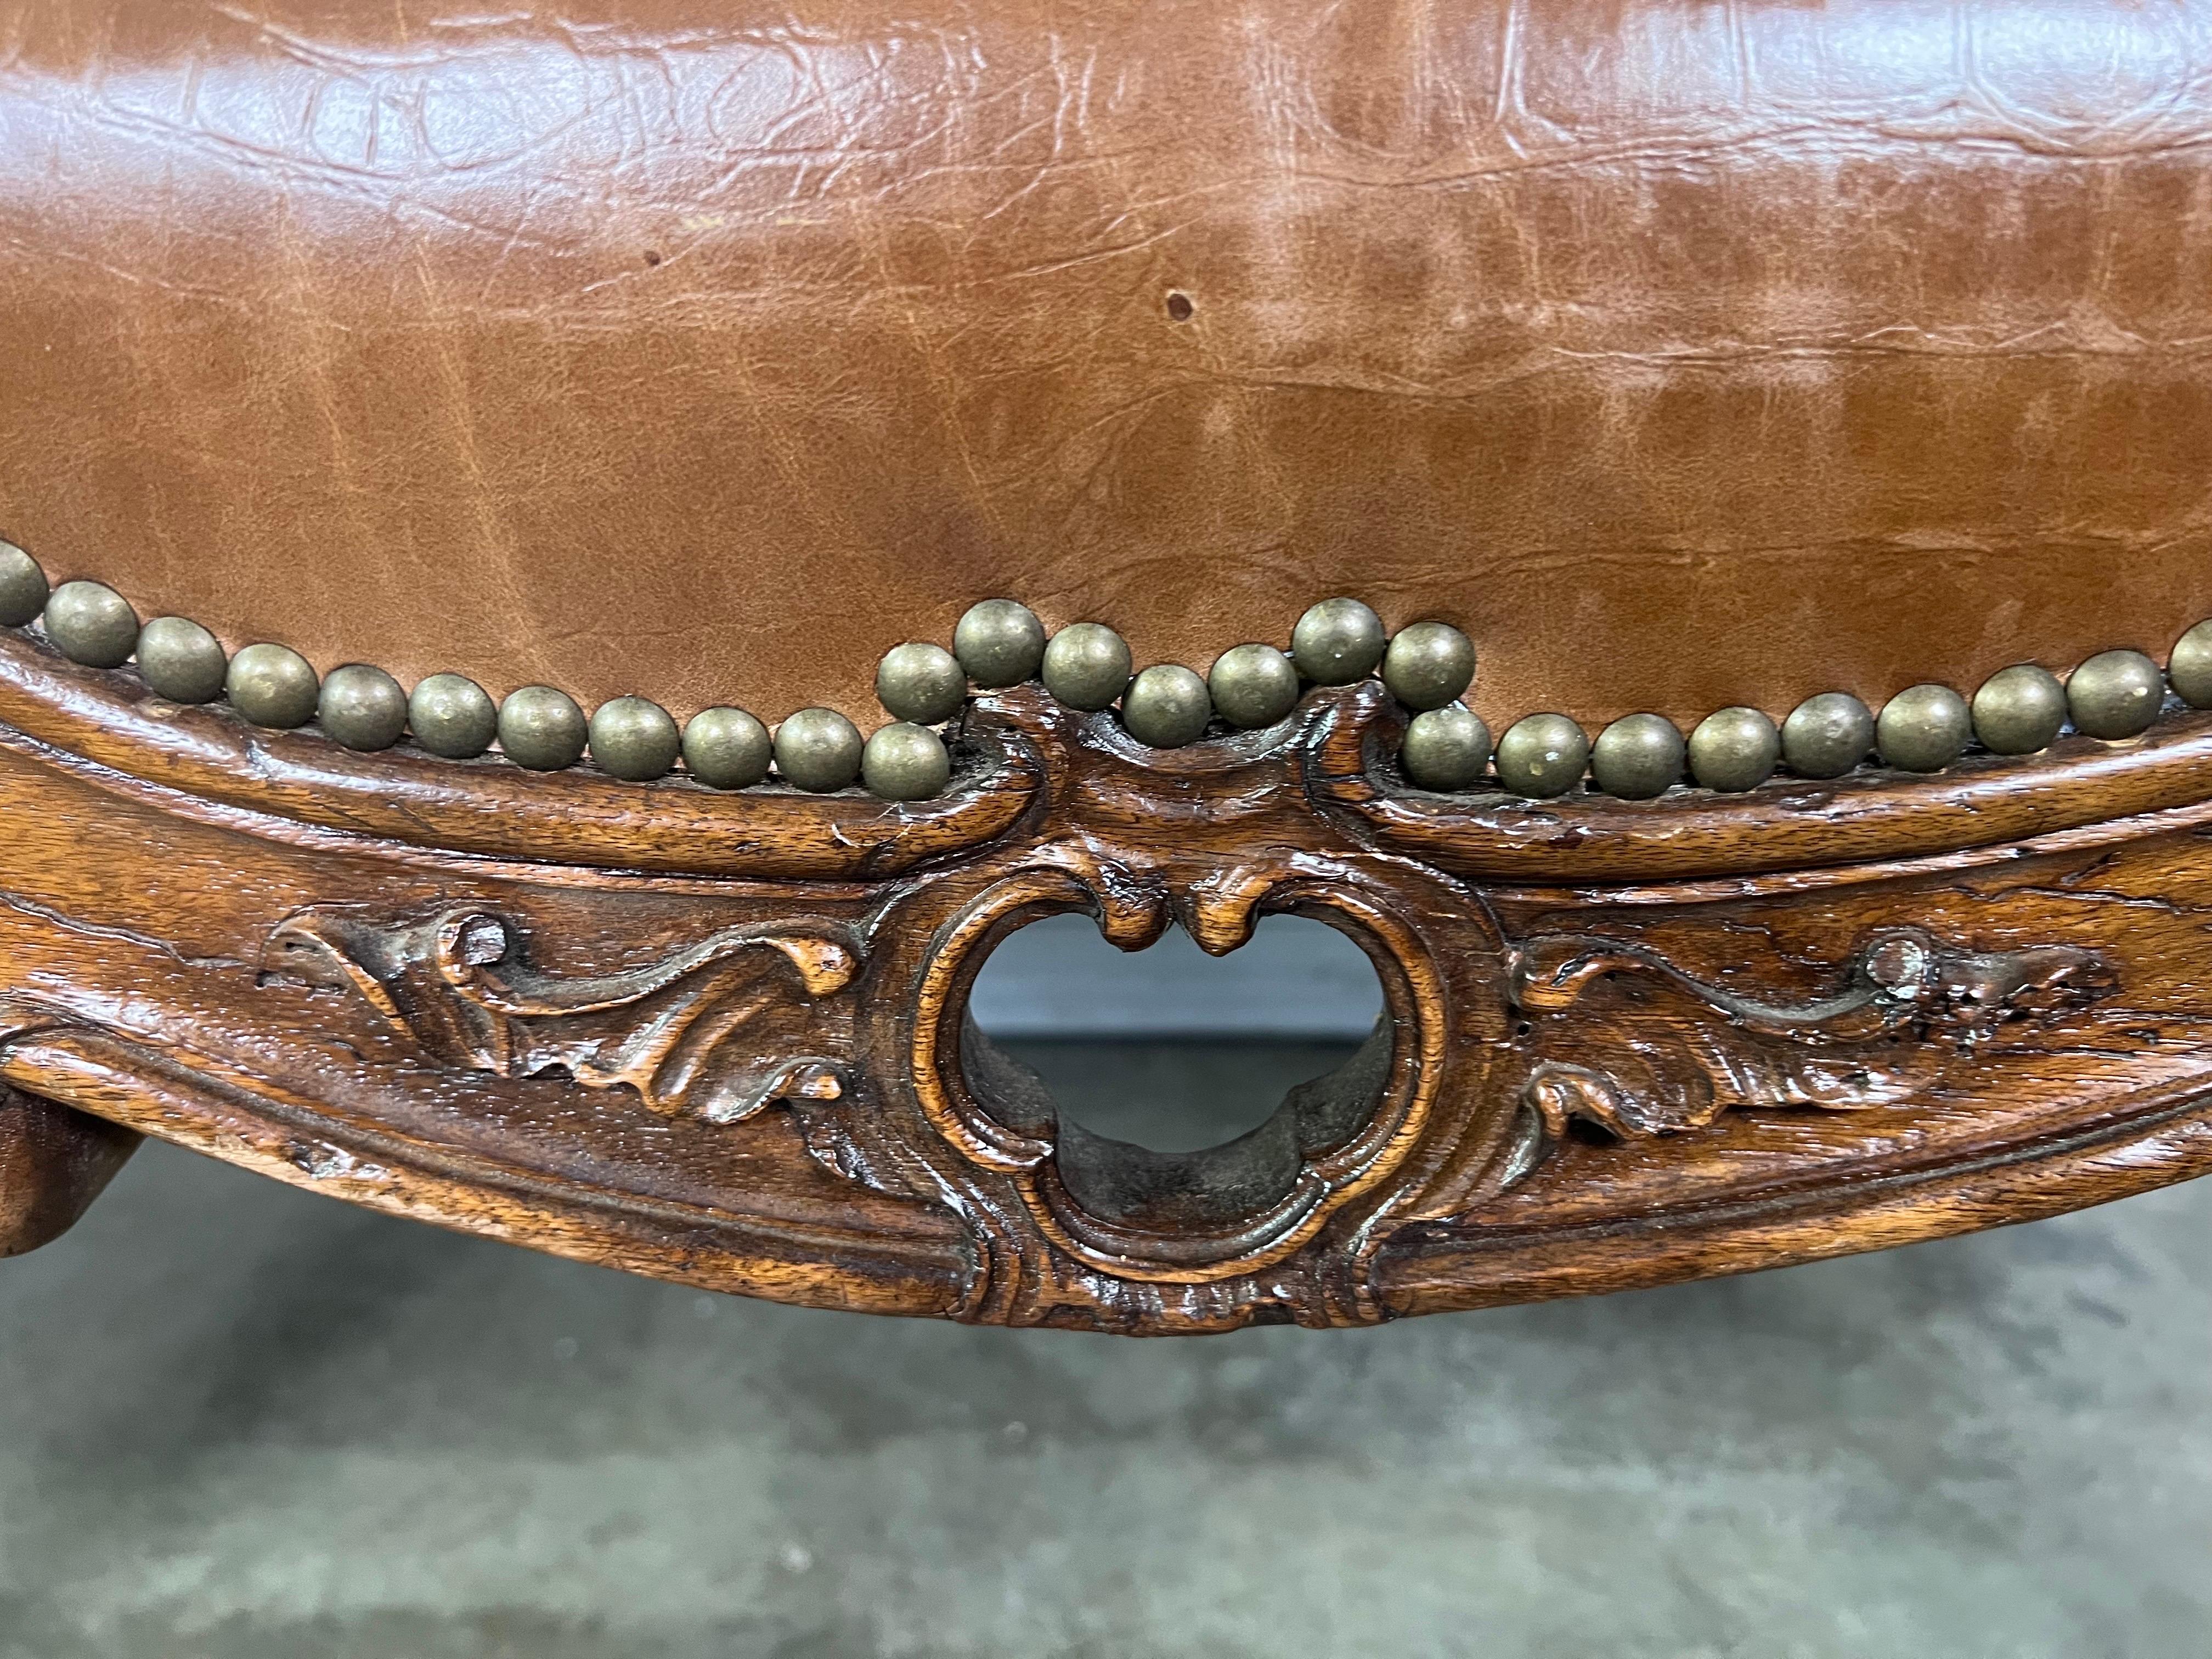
[692, 1032]
[724, 1040]
[1623, 1064]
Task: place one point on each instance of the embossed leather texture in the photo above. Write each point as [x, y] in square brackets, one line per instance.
[1686, 354]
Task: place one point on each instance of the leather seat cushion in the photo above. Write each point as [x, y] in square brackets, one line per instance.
[1687, 355]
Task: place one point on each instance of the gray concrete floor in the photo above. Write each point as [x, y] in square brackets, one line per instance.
[238, 1421]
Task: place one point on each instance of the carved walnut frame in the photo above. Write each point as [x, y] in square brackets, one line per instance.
[722, 1039]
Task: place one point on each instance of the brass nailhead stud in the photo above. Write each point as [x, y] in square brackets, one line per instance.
[2116, 693]
[1825, 736]
[91, 623]
[2190, 668]
[362, 708]
[633, 739]
[726, 748]
[1445, 749]
[272, 685]
[453, 716]
[905, 761]
[1428, 665]
[1733, 749]
[2019, 710]
[22, 587]
[1542, 756]
[924, 684]
[1924, 729]
[1637, 758]
[1166, 707]
[1253, 685]
[819, 750]
[1086, 666]
[999, 642]
[180, 660]
[1338, 641]
[542, 728]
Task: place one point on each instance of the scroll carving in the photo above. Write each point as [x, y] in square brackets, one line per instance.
[1606, 1030]
[701, 1030]
[1659, 1051]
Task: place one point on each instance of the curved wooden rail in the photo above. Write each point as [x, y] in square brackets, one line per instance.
[1990, 1006]
[1871, 816]
[580, 816]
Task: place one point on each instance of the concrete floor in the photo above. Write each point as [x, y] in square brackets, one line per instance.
[238, 1421]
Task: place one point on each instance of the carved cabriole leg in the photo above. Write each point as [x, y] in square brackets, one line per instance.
[724, 1039]
[53, 1163]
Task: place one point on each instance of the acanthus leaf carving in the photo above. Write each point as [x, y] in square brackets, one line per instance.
[720, 1028]
[1636, 1068]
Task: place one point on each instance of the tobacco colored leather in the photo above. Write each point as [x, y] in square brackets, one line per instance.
[1687, 355]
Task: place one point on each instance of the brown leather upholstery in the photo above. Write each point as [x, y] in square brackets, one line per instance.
[1685, 354]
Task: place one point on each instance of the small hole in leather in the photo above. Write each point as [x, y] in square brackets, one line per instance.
[1180, 308]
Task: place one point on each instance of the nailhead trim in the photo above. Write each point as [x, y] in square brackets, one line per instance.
[1337, 641]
